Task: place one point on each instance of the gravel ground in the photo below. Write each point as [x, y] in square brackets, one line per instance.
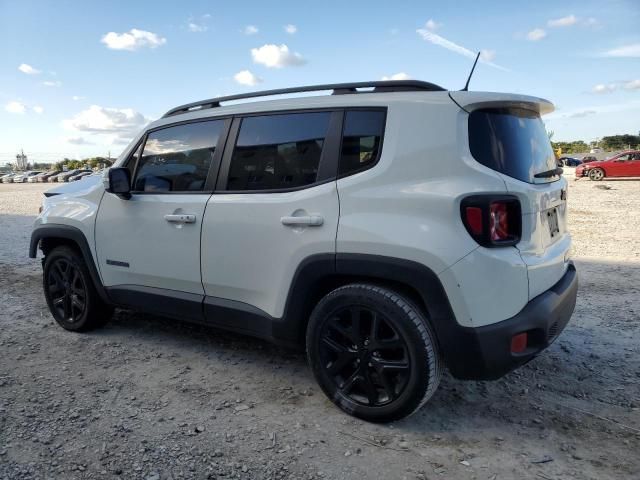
[152, 398]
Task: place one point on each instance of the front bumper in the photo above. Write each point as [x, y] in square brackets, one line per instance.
[484, 353]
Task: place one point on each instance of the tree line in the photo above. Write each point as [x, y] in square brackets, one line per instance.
[609, 143]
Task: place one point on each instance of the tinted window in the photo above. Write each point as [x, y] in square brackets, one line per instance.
[511, 141]
[361, 140]
[278, 151]
[177, 159]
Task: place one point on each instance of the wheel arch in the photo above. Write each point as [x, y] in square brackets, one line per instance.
[320, 274]
[50, 236]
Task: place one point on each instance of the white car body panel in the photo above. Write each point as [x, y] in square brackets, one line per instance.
[248, 255]
[160, 254]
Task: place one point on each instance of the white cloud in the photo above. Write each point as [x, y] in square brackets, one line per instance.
[250, 30]
[625, 51]
[432, 25]
[397, 76]
[132, 40]
[28, 69]
[563, 21]
[440, 41]
[536, 34]
[604, 88]
[77, 97]
[582, 113]
[488, 55]
[101, 120]
[245, 77]
[290, 29]
[276, 56]
[15, 107]
[38, 109]
[594, 110]
[196, 27]
[78, 141]
[198, 24]
[632, 85]
[51, 83]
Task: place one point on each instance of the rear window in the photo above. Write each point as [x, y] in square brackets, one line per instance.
[512, 141]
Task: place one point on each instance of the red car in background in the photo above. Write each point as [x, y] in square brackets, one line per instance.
[625, 164]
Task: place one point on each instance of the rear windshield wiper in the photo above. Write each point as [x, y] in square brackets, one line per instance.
[549, 173]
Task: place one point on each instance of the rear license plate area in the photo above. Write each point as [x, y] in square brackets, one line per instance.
[552, 221]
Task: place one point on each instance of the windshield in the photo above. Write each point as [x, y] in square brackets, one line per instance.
[512, 141]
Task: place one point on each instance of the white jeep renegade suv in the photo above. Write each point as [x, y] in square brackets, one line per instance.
[392, 228]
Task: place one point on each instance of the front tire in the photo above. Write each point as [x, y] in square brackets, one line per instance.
[596, 174]
[373, 352]
[70, 293]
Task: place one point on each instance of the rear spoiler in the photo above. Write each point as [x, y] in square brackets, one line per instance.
[469, 101]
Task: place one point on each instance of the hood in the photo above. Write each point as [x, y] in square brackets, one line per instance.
[73, 187]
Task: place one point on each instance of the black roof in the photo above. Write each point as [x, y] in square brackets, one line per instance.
[338, 89]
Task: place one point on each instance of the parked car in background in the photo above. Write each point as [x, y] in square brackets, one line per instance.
[80, 175]
[66, 176]
[35, 178]
[6, 178]
[23, 177]
[569, 161]
[589, 159]
[45, 178]
[58, 177]
[625, 164]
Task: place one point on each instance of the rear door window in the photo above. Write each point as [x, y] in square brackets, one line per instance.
[512, 141]
[276, 152]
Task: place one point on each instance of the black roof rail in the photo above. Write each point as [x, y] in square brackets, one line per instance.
[338, 89]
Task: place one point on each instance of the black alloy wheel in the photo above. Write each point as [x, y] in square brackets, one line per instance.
[67, 290]
[70, 292]
[366, 357]
[373, 353]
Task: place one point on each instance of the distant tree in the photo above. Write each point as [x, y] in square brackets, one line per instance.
[620, 142]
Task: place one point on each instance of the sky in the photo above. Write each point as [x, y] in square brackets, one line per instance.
[81, 78]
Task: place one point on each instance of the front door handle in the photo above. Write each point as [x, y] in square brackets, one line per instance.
[306, 220]
[180, 218]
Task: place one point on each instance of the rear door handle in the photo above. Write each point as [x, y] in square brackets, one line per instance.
[306, 220]
[180, 218]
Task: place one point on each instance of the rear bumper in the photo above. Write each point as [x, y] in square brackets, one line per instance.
[484, 353]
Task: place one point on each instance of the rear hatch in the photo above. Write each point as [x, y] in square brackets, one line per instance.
[507, 135]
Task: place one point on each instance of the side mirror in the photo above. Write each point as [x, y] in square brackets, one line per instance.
[120, 182]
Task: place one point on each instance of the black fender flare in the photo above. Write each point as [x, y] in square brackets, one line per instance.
[67, 232]
[418, 277]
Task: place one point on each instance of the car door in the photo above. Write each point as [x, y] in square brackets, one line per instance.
[150, 243]
[634, 165]
[618, 166]
[275, 205]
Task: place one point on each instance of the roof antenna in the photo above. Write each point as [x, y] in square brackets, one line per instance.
[466, 85]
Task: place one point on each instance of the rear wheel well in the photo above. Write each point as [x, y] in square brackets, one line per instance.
[330, 283]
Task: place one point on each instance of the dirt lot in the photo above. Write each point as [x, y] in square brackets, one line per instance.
[152, 398]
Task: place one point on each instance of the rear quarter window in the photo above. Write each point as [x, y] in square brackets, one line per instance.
[512, 141]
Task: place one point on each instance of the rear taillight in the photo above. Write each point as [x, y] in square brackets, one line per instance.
[492, 220]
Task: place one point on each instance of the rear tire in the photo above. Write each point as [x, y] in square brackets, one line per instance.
[596, 174]
[70, 293]
[373, 352]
